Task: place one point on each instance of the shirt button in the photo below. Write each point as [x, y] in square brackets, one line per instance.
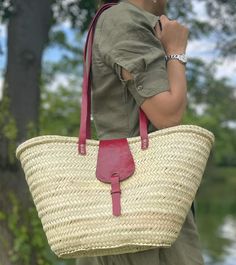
[140, 87]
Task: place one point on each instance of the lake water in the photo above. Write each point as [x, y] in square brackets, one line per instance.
[226, 255]
[216, 216]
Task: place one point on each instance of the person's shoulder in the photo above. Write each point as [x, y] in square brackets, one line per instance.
[126, 16]
[125, 27]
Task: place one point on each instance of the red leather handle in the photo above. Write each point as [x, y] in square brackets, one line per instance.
[85, 122]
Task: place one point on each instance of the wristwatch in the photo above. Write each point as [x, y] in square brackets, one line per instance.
[181, 57]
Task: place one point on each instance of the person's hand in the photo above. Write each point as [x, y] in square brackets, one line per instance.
[173, 35]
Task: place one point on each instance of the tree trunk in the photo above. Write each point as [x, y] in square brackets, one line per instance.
[27, 34]
[28, 29]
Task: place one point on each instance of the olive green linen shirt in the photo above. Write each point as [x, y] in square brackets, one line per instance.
[125, 37]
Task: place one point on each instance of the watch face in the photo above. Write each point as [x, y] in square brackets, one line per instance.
[183, 58]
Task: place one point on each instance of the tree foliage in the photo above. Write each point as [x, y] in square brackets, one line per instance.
[221, 24]
[223, 20]
[212, 105]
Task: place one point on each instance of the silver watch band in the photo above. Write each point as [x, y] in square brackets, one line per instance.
[181, 57]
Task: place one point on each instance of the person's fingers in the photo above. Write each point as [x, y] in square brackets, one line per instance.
[164, 19]
[158, 29]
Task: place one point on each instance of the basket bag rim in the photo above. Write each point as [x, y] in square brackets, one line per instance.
[184, 128]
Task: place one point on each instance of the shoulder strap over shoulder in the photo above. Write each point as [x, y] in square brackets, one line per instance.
[85, 121]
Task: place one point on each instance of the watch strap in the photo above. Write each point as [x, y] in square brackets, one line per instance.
[181, 57]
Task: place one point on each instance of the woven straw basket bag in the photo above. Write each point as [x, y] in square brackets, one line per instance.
[113, 196]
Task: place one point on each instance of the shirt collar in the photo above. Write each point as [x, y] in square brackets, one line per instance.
[153, 19]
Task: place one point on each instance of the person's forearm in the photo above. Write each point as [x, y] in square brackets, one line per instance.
[178, 85]
[166, 109]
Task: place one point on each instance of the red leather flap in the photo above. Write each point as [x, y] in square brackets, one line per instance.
[114, 158]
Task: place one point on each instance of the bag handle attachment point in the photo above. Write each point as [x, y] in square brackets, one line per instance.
[81, 148]
[144, 143]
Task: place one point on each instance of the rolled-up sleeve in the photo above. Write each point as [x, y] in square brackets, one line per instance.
[135, 48]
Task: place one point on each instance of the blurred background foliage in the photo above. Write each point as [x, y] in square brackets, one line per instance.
[37, 101]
